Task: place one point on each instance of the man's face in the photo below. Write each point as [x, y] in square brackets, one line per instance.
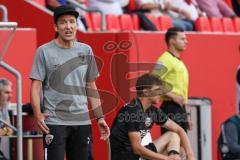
[180, 41]
[5, 94]
[154, 94]
[66, 26]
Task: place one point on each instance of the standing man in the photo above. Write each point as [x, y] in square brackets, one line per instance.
[135, 120]
[5, 97]
[177, 75]
[65, 71]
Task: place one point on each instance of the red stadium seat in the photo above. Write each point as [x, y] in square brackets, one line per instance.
[165, 22]
[88, 21]
[96, 21]
[126, 22]
[135, 21]
[227, 25]
[236, 24]
[202, 24]
[216, 24]
[112, 22]
[154, 20]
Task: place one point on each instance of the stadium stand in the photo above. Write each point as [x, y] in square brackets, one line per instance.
[227, 25]
[126, 22]
[154, 20]
[88, 21]
[202, 24]
[131, 5]
[113, 23]
[135, 21]
[216, 24]
[236, 24]
[165, 22]
[96, 21]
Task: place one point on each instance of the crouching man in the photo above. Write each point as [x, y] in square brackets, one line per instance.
[136, 119]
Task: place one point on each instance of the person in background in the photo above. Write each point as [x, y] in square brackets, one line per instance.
[108, 6]
[5, 97]
[236, 7]
[216, 8]
[182, 14]
[174, 102]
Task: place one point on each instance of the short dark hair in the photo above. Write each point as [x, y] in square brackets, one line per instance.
[4, 82]
[171, 33]
[146, 81]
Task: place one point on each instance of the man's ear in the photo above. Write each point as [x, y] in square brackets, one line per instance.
[55, 27]
[171, 41]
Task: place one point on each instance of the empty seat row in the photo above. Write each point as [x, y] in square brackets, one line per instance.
[204, 24]
[124, 22]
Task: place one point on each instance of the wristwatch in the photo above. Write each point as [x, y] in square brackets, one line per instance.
[97, 119]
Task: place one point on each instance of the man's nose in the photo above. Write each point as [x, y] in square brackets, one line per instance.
[68, 25]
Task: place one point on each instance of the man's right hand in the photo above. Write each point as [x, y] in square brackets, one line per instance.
[174, 157]
[40, 122]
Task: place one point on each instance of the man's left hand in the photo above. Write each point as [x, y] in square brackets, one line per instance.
[103, 128]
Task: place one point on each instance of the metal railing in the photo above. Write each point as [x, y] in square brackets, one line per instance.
[4, 13]
[103, 22]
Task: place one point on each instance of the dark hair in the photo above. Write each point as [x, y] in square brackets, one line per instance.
[146, 81]
[171, 33]
[4, 82]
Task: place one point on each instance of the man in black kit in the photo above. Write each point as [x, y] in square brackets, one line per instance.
[136, 119]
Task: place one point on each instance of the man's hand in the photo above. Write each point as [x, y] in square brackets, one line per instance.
[191, 157]
[167, 6]
[9, 131]
[103, 129]
[174, 157]
[2, 132]
[186, 14]
[40, 122]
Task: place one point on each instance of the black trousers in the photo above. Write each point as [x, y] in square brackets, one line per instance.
[231, 156]
[75, 141]
[175, 112]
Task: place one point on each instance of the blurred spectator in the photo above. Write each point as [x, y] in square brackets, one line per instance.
[82, 25]
[52, 4]
[182, 14]
[5, 96]
[108, 6]
[229, 139]
[236, 6]
[216, 8]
